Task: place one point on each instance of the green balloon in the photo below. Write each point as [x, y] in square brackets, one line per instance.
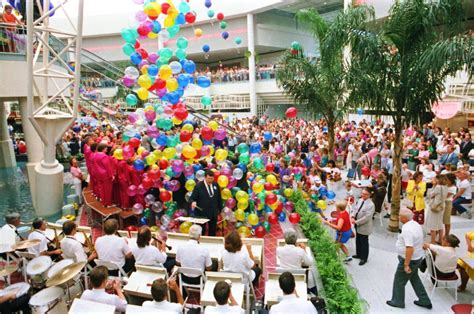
[244, 158]
[169, 172]
[125, 138]
[223, 25]
[267, 226]
[172, 141]
[182, 43]
[165, 53]
[164, 124]
[258, 163]
[129, 35]
[180, 54]
[242, 148]
[295, 45]
[128, 49]
[206, 100]
[173, 30]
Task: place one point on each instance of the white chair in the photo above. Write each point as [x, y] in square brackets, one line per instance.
[249, 290]
[191, 272]
[122, 275]
[431, 274]
[25, 258]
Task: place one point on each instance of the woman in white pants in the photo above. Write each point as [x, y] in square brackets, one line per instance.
[77, 178]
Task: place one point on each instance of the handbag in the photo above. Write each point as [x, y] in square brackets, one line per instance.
[440, 206]
[352, 173]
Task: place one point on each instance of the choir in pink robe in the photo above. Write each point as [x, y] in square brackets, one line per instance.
[93, 174]
[88, 157]
[105, 176]
[124, 180]
[136, 177]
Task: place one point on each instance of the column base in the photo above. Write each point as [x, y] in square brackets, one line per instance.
[48, 189]
[7, 154]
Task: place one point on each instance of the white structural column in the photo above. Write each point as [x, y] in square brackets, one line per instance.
[48, 119]
[252, 66]
[7, 154]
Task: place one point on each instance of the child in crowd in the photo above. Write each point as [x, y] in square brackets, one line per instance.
[406, 174]
[349, 193]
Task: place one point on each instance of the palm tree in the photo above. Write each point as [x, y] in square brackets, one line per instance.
[320, 83]
[401, 67]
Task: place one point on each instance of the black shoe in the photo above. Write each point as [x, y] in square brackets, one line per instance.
[356, 256]
[394, 305]
[386, 216]
[362, 262]
[428, 306]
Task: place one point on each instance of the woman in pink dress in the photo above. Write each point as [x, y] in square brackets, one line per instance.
[105, 174]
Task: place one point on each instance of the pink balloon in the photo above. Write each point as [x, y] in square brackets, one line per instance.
[188, 171]
[128, 81]
[153, 131]
[220, 134]
[153, 57]
[232, 183]
[127, 152]
[132, 190]
[141, 190]
[230, 203]
[226, 171]
[150, 115]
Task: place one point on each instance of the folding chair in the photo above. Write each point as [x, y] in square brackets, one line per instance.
[122, 275]
[191, 272]
[431, 274]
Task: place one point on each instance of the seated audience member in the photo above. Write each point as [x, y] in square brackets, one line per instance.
[237, 260]
[39, 226]
[464, 269]
[291, 303]
[71, 247]
[112, 248]
[193, 255]
[445, 260]
[223, 294]
[464, 194]
[10, 303]
[98, 277]
[8, 233]
[146, 254]
[159, 292]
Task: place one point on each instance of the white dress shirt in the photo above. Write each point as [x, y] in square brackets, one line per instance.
[466, 185]
[193, 255]
[446, 260]
[412, 235]
[100, 296]
[291, 256]
[8, 235]
[149, 255]
[43, 246]
[112, 248]
[164, 306]
[73, 249]
[292, 304]
[238, 262]
[223, 309]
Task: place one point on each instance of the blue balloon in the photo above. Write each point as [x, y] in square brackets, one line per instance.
[208, 3]
[255, 148]
[156, 27]
[242, 167]
[183, 80]
[267, 135]
[282, 217]
[136, 58]
[207, 142]
[197, 167]
[203, 81]
[225, 35]
[331, 195]
[152, 70]
[360, 111]
[210, 14]
[206, 48]
[139, 165]
[323, 190]
[180, 92]
[161, 140]
[180, 19]
[143, 221]
[189, 67]
[173, 97]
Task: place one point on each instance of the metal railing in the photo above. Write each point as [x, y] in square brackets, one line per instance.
[12, 38]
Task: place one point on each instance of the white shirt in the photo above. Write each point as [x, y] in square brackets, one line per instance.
[99, 295]
[42, 247]
[164, 306]
[464, 184]
[73, 249]
[412, 235]
[112, 248]
[238, 262]
[8, 234]
[148, 255]
[428, 175]
[451, 190]
[291, 304]
[222, 309]
[193, 255]
[291, 256]
[446, 260]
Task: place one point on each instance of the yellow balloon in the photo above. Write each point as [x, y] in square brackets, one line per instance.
[144, 81]
[158, 154]
[173, 12]
[226, 194]
[243, 231]
[188, 127]
[272, 179]
[149, 108]
[222, 181]
[273, 206]
[189, 151]
[221, 154]
[169, 21]
[144, 71]
[253, 219]
[118, 154]
[142, 93]
[172, 84]
[322, 204]
[169, 152]
[198, 32]
[150, 159]
[241, 196]
[155, 167]
[176, 121]
[196, 143]
[257, 187]
[184, 227]
[242, 204]
[189, 185]
[152, 35]
[140, 150]
[288, 192]
[165, 72]
[212, 150]
[213, 125]
[239, 215]
[152, 9]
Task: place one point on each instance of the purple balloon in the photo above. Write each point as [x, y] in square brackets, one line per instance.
[220, 134]
[142, 63]
[153, 131]
[132, 190]
[177, 166]
[232, 183]
[128, 81]
[153, 57]
[174, 185]
[137, 209]
[230, 203]
[226, 171]
[161, 92]
[278, 149]
[289, 206]
[188, 171]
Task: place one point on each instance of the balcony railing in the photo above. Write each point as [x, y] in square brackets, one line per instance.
[12, 38]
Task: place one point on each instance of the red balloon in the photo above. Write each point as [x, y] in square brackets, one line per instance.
[178, 105]
[131, 228]
[154, 174]
[137, 45]
[268, 186]
[366, 171]
[272, 218]
[270, 167]
[270, 199]
[165, 196]
[159, 84]
[291, 112]
[164, 7]
[260, 231]
[181, 114]
[163, 163]
[147, 183]
[134, 142]
[294, 218]
[294, 52]
[279, 206]
[185, 136]
[207, 133]
[220, 16]
[216, 175]
[143, 30]
[190, 17]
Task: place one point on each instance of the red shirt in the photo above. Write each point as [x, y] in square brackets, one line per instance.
[346, 226]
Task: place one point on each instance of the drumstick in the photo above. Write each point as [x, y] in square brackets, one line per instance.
[161, 242]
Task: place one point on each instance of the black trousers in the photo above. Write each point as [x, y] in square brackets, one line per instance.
[210, 227]
[19, 304]
[362, 246]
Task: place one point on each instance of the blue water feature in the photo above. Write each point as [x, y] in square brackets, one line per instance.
[15, 194]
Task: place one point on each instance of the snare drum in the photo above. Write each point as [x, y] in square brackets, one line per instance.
[36, 269]
[22, 288]
[49, 300]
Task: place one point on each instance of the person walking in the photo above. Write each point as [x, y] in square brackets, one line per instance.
[410, 255]
[362, 220]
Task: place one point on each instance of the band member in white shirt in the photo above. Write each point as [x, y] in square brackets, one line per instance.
[8, 233]
[39, 226]
[159, 292]
[223, 294]
[150, 255]
[98, 277]
[113, 248]
[72, 248]
[291, 302]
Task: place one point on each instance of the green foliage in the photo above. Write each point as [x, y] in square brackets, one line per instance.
[341, 297]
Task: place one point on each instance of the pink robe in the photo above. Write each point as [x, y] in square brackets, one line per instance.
[93, 173]
[105, 175]
[136, 177]
[124, 180]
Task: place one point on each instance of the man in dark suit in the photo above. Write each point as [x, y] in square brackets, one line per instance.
[466, 146]
[206, 198]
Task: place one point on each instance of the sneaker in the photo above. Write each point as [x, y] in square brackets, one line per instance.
[466, 215]
[347, 259]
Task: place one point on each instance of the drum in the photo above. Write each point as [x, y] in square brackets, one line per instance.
[59, 266]
[36, 269]
[22, 288]
[49, 300]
